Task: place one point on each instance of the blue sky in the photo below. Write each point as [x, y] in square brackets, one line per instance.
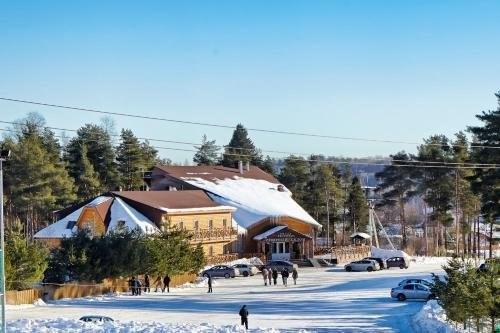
[396, 70]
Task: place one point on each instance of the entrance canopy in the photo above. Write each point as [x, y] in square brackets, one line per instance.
[281, 233]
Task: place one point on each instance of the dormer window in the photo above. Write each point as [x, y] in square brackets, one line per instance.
[121, 224]
[70, 225]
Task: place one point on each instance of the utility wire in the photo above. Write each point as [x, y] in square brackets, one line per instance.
[268, 151]
[186, 122]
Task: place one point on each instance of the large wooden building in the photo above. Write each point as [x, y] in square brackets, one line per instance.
[268, 220]
[210, 223]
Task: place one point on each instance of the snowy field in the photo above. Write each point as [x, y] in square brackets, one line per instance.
[325, 300]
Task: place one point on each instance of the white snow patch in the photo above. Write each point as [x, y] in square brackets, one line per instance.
[266, 234]
[120, 211]
[432, 318]
[255, 199]
[386, 254]
[60, 325]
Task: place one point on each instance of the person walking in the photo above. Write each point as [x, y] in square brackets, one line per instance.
[166, 283]
[244, 316]
[146, 283]
[295, 275]
[284, 276]
[264, 275]
[131, 285]
[158, 284]
[270, 275]
[210, 284]
[138, 287]
[275, 276]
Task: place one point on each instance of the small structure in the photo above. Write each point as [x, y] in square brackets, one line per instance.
[360, 238]
[283, 243]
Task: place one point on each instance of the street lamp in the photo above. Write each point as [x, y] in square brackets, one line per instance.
[4, 155]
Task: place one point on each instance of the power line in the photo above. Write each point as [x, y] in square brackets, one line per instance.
[186, 122]
[406, 162]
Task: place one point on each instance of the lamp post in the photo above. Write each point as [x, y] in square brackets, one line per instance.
[4, 154]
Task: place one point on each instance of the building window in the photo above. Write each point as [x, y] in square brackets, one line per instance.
[70, 224]
[224, 223]
[210, 224]
[211, 251]
[121, 224]
[196, 225]
[181, 225]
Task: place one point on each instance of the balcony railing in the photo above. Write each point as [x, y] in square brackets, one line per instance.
[214, 234]
[221, 258]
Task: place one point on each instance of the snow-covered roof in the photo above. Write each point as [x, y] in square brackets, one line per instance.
[59, 228]
[196, 210]
[270, 232]
[361, 234]
[132, 219]
[119, 211]
[255, 199]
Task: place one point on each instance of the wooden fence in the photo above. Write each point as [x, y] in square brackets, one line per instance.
[82, 289]
[345, 253]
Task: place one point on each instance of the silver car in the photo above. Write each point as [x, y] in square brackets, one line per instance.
[426, 283]
[245, 269]
[412, 291]
[362, 265]
[219, 271]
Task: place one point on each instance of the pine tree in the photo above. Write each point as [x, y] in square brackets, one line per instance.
[150, 156]
[241, 148]
[295, 176]
[358, 208]
[268, 165]
[130, 160]
[87, 180]
[207, 154]
[101, 155]
[398, 186]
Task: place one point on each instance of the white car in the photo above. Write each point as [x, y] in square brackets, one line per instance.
[245, 269]
[362, 265]
[412, 291]
[425, 282]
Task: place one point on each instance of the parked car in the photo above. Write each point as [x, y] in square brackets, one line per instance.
[397, 262]
[245, 269]
[426, 283]
[279, 265]
[381, 262]
[220, 271]
[95, 319]
[412, 291]
[362, 265]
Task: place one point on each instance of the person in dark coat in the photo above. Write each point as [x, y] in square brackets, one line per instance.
[295, 275]
[166, 283]
[146, 283]
[210, 284]
[284, 276]
[275, 276]
[137, 286]
[131, 285]
[244, 316]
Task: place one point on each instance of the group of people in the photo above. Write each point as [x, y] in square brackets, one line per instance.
[136, 286]
[271, 274]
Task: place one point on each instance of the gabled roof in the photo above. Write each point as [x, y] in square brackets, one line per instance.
[212, 173]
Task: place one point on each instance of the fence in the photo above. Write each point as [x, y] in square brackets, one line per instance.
[345, 253]
[75, 290]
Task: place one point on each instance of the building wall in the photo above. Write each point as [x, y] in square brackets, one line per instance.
[90, 217]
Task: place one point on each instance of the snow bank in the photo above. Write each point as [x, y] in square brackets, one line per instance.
[431, 318]
[61, 325]
[386, 254]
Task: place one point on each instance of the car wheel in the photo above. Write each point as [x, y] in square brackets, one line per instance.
[206, 275]
[369, 269]
[348, 269]
[245, 274]
[431, 296]
[401, 266]
[401, 297]
[227, 276]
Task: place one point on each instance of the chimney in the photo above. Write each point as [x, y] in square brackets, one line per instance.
[240, 166]
[247, 166]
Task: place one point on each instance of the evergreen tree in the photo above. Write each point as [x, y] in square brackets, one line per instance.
[487, 180]
[295, 176]
[241, 148]
[437, 186]
[268, 165]
[358, 207]
[25, 262]
[101, 155]
[130, 159]
[207, 154]
[88, 185]
[150, 156]
[398, 185]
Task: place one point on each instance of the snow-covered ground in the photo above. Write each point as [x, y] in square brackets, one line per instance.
[325, 300]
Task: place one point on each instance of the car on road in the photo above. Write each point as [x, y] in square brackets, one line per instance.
[279, 265]
[381, 262]
[245, 269]
[96, 319]
[362, 265]
[420, 281]
[397, 262]
[412, 291]
[220, 271]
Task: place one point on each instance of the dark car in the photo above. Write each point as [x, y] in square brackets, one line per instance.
[96, 319]
[381, 262]
[279, 265]
[397, 262]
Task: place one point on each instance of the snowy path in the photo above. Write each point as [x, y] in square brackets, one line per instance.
[326, 300]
